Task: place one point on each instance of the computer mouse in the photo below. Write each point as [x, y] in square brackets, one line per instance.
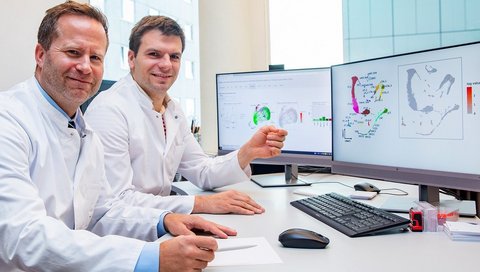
[365, 186]
[302, 238]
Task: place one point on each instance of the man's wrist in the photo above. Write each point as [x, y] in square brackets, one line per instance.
[244, 157]
[198, 204]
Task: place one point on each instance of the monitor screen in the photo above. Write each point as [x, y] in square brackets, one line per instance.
[412, 118]
[297, 100]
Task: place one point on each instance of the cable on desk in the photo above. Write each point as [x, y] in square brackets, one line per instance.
[450, 192]
[318, 182]
[404, 193]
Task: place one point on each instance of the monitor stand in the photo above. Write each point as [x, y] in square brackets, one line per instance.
[279, 180]
[430, 194]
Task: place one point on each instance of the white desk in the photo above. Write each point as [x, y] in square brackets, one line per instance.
[410, 251]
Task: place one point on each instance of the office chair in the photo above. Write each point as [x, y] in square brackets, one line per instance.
[106, 84]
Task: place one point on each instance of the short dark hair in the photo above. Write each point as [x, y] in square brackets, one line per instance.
[164, 24]
[47, 31]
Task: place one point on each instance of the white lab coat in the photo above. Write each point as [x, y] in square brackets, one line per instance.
[140, 163]
[55, 202]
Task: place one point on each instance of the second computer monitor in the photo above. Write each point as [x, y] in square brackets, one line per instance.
[297, 100]
[411, 118]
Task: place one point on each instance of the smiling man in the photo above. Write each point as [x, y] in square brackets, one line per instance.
[70, 67]
[147, 138]
[57, 210]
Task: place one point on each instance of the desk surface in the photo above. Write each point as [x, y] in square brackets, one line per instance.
[409, 251]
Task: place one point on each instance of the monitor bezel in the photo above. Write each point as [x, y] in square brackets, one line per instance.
[434, 178]
[286, 157]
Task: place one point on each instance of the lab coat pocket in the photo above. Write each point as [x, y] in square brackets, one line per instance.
[174, 157]
[86, 196]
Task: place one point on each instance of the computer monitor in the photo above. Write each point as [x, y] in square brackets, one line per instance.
[297, 100]
[411, 118]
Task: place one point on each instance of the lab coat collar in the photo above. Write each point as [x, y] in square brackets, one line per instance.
[172, 113]
[54, 113]
[146, 98]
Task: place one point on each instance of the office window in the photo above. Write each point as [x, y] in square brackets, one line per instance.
[187, 29]
[189, 67]
[306, 33]
[100, 4]
[128, 10]
[171, 16]
[376, 28]
[152, 11]
[189, 108]
[124, 58]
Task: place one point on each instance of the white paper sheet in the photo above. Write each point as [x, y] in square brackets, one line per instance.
[262, 253]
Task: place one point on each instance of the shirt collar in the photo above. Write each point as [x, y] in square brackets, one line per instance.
[50, 100]
[47, 97]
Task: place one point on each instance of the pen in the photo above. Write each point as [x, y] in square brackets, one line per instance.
[229, 248]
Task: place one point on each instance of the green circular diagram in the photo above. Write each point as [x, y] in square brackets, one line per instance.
[261, 115]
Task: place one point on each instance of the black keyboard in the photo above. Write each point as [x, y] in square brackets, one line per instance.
[350, 217]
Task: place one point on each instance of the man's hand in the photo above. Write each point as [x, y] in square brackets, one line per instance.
[186, 253]
[265, 143]
[183, 224]
[226, 202]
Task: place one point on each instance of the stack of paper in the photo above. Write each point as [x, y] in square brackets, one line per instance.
[462, 231]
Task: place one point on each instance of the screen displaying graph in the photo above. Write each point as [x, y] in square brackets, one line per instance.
[296, 100]
[410, 110]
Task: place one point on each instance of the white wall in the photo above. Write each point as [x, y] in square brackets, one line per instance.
[233, 38]
[19, 21]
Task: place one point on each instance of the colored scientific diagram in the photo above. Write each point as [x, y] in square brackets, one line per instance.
[261, 115]
[293, 116]
[287, 116]
[472, 97]
[368, 106]
[430, 99]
